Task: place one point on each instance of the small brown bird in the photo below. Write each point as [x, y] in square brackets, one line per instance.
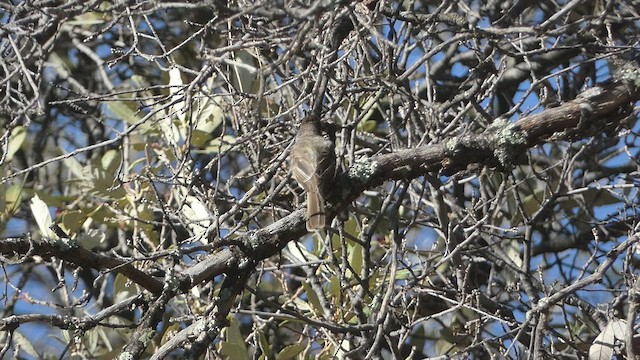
[313, 162]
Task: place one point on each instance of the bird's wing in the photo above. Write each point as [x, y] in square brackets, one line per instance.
[304, 167]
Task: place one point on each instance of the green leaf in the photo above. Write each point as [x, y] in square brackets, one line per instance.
[233, 335]
[10, 202]
[291, 351]
[368, 122]
[16, 139]
[24, 344]
[86, 20]
[368, 126]
[200, 138]
[233, 351]
[266, 349]
[234, 346]
[513, 251]
[351, 229]
[110, 161]
[13, 198]
[176, 89]
[91, 238]
[335, 290]
[99, 175]
[122, 110]
[312, 297]
[42, 216]
[209, 114]
[74, 166]
[403, 274]
[298, 254]
[220, 144]
[123, 288]
[198, 216]
[604, 345]
[244, 76]
[71, 220]
[355, 257]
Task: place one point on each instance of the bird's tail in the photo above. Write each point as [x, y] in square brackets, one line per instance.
[316, 218]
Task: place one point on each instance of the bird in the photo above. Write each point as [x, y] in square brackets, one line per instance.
[313, 163]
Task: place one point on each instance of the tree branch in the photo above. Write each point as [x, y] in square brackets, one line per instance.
[497, 146]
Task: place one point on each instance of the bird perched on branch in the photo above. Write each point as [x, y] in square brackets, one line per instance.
[313, 163]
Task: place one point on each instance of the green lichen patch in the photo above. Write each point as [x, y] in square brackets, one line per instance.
[629, 74]
[510, 142]
[362, 170]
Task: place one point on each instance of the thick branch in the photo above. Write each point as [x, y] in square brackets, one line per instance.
[499, 145]
[495, 147]
[81, 257]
